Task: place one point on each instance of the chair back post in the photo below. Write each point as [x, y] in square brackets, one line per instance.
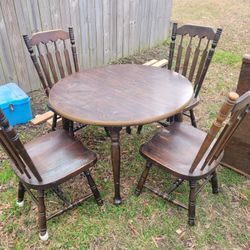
[226, 134]
[51, 68]
[27, 42]
[73, 48]
[214, 129]
[16, 149]
[194, 63]
[216, 39]
[172, 46]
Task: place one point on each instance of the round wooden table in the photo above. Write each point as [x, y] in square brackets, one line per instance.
[115, 96]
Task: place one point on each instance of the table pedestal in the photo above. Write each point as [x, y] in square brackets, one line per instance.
[116, 161]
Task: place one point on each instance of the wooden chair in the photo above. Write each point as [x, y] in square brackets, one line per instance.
[44, 48]
[191, 154]
[45, 163]
[195, 49]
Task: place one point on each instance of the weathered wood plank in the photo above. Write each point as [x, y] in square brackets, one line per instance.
[45, 15]
[126, 26]
[65, 14]
[7, 62]
[99, 32]
[15, 41]
[91, 20]
[34, 16]
[132, 27]
[42, 118]
[119, 28]
[84, 34]
[160, 63]
[55, 14]
[2, 78]
[143, 25]
[154, 24]
[104, 31]
[113, 29]
[25, 28]
[151, 62]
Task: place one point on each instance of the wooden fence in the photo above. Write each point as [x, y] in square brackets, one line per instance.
[105, 30]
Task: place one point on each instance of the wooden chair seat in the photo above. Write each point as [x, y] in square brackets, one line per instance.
[175, 148]
[192, 155]
[45, 163]
[69, 159]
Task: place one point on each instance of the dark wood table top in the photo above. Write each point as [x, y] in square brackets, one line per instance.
[121, 95]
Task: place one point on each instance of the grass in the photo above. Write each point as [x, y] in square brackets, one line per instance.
[226, 58]
[145, 222]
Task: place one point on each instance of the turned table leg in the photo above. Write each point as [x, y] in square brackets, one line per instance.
[115, 157]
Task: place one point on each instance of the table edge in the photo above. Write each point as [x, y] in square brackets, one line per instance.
[121, 123]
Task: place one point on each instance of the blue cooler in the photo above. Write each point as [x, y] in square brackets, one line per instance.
[15, 104]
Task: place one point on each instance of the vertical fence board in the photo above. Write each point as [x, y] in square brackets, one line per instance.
[45, 15]
[113, 28]
[99, 32]
[55, 14]
[105, 30]
[2, 78]
[119, 28]
[138, 16]
[84, 34]
[131, 26]
[25, 28]
[6, 57]
[91, 20]
[15, 43]
[153, 23]
[65, 14]
[126, 21]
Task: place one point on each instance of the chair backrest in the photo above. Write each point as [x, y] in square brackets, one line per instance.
[193, 64]
[15, 149]
[44, 52]
[238, 107]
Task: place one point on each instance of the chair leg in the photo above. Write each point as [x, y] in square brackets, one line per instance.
[139, 129]
[107, 131]
[54, 122]
[191, 205]
[20, 195]
[143, 178]
[93, 188]
[42, 216]
[214, 183]
[128, 130]
[192, 117]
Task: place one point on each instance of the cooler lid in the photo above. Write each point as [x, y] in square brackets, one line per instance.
[10, 93]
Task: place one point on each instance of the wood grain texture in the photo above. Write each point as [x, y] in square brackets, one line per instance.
[186, 142]
[237, 150]
[15, 42]
[191, 154]
[50, 167]
[25, 27]
[190, 60]
[46, 162]
[94, 96]
[105, 30]
[56, 60]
